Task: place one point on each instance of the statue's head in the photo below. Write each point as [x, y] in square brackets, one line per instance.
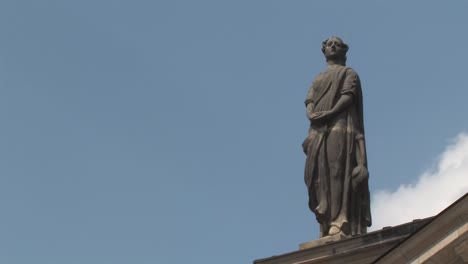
[335, 49]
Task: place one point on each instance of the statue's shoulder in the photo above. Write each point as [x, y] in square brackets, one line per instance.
[350, 70]
[319, 76]
[321, 73]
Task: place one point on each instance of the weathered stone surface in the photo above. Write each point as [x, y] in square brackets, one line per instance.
[441, 241]
[462, 250]
[336, 172]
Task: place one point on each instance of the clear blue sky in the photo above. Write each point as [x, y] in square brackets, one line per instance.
[170, 131]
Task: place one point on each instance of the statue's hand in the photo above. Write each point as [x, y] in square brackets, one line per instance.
[320, 116]
[359, 175]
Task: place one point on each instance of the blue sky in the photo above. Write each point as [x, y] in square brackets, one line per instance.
[170, 131]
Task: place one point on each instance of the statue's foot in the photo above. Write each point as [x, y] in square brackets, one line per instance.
[334, 230]
[323, 230]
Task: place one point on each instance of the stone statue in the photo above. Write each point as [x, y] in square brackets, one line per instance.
[336, 172]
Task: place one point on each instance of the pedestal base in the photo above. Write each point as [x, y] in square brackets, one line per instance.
[338, 249]
[322, 241]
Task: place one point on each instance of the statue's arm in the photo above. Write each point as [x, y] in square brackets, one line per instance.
[309, 102]
[361, 151]
[344, 101]
[309, 109]
[347, 93]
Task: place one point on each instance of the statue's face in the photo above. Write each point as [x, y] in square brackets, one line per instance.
[334, 48]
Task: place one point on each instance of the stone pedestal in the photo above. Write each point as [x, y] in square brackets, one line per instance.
[359, 249]
[442, 239]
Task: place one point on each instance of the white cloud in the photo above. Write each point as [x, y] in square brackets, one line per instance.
[435, 190]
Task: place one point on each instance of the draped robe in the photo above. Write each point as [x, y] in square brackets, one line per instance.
[331, 155]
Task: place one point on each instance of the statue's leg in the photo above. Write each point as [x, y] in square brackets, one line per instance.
[336, 156]
[317, 171]
[322, 186]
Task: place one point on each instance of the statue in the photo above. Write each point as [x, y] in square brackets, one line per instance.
[336, 172]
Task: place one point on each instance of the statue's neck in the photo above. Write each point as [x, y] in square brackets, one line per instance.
[332, 62]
